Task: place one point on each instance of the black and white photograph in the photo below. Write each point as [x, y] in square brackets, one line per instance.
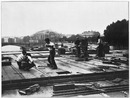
[60, 48]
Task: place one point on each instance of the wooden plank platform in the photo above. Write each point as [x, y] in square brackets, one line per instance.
[26, 74]
[5, 77]
[12, 74]
[15, 84]
[67, 66]
[73, 66]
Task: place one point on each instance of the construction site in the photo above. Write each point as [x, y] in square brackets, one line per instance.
[97, 77]
[64, 48]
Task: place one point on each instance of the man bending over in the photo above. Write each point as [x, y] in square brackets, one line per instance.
[24, 60]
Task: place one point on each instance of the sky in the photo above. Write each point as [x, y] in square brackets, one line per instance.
[26, 18]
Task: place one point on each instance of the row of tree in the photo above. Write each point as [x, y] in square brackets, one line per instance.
[55, 37]
[72, 38]
[117, 33]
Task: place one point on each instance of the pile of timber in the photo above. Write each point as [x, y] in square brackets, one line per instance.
[73, 90]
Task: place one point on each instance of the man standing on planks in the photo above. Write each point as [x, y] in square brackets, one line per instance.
[84, 47]
[100, 48]
[24, 60]
[77, 44]
[51, 48]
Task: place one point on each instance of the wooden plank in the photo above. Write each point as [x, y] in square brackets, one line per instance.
[93, 63]
[42, 66]
[44, 62]
[116, 94]
[32, 52]
[65, 67]
[18, 72]
[36, 72]
[57, 70]
[82, 64]
[42, 69]
[78, 62]
[40, 55]
[12, 56]
[37, 56]
[13, 75]
[98, 63]
[26, 74]
[112, 66]
[75, 68]
[5, 77]
[85, 65]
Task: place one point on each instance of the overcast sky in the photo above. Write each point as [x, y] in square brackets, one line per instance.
[26, 18]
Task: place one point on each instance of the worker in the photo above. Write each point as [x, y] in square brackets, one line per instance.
[51, 47]
[24, 60]
[77, 45]
[84, 46]
[100, 48]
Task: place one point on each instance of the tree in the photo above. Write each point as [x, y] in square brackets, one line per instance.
[117, 33]
[26, 39]
[73, 37]
[64, 38]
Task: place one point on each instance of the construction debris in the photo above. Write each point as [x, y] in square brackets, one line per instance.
[6, 61]
[63, 87]
[30, 89]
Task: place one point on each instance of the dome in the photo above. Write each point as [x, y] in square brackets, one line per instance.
[10, 48]
[90, 33]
